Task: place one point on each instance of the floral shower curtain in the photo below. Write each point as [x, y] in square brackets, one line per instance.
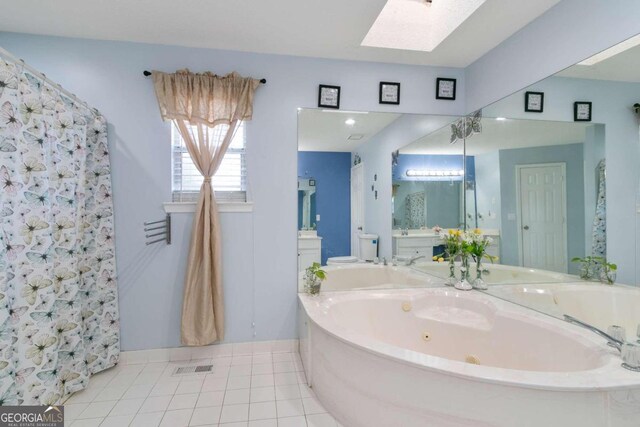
[58, 297]
[599, 232]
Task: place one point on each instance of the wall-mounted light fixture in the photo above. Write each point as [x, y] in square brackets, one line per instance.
[442, 173]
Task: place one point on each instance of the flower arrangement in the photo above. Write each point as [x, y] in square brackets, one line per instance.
[465, 245]
[477, 247]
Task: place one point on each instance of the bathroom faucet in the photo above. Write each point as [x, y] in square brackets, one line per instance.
[411, 260]
[615, 343]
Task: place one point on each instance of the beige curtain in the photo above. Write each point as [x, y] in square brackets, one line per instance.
[207, 110]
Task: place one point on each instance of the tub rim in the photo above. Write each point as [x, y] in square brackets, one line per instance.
[609, 376]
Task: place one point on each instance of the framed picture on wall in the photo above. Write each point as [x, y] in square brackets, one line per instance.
[329, 96]
[389, 93]
[533, 102]
[445, 88]
[582, 111]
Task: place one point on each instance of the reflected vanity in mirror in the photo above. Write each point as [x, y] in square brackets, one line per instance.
[430, 182]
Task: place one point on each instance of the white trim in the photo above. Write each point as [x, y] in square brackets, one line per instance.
[563, 167]
[223, 207]
[206, 352]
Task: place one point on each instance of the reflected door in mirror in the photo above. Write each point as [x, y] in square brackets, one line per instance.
[542, 216]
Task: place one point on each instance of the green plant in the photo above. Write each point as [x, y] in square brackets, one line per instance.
[314, 275]
[596, 267]
[316, 270]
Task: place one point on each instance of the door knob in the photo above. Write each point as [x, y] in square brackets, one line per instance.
[526, 227]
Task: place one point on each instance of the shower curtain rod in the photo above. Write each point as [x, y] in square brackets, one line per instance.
[148, 73]
[7, 55]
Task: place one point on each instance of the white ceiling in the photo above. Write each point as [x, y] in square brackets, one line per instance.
[325, 130]
[326, 29]
[625, 67]
[501, 134]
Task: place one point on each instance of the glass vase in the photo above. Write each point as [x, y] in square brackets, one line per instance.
[607, 276]
[312, 284]
[463, 284]
[452, 279]
[586, 271]
[478, 282]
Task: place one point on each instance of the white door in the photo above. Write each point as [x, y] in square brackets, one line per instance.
[542, 216]
[357, 207]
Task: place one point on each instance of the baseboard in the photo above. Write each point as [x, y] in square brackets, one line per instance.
[206, 352]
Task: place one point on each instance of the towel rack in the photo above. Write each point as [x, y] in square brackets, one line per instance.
[157, 229]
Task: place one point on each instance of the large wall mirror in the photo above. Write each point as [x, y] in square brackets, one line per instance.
[549, 173]
[561, 185]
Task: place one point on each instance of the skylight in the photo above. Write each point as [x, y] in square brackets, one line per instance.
[418, 24]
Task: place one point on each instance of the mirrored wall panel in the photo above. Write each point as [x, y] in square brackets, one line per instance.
[346, 190]
[563, 191]
[431, 180]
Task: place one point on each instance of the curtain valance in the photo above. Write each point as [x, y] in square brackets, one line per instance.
[204, 98]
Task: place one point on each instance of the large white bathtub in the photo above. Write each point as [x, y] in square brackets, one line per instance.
[597, 304]
[440, 357]
[498, 273]
[371, 276]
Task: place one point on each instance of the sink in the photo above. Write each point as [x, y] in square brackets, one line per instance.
[307, 233]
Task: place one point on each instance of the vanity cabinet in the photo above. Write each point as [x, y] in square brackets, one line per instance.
[309, 251]
[415, 245]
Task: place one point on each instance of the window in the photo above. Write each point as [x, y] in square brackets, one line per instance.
[229, 182]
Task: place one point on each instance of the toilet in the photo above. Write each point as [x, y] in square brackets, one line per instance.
[368, 251]
[338, 260]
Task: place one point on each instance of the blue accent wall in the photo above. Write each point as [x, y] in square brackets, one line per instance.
[332, 172]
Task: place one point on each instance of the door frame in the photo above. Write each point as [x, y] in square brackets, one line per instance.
[563, 168]
[355, 245]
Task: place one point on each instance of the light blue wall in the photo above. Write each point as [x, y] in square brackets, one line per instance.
[571, 155]
[259, 248]
[332, 172]
[566, 34]
[612, 103]
[488, 190]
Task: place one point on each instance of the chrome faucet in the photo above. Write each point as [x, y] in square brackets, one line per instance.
[411, 260]
[613, 342]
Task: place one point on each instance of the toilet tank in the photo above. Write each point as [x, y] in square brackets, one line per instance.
[368, 246]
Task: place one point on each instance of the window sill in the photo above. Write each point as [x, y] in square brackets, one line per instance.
[223, 207]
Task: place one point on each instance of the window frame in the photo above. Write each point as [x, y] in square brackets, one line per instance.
[228, 201]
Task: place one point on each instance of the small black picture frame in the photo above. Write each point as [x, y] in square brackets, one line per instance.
[582, 111]
[446, 88]
[328, 96]
[389, 93]
[534, 102]
[312, 183]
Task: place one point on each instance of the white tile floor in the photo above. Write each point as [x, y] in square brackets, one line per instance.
[259, 390]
